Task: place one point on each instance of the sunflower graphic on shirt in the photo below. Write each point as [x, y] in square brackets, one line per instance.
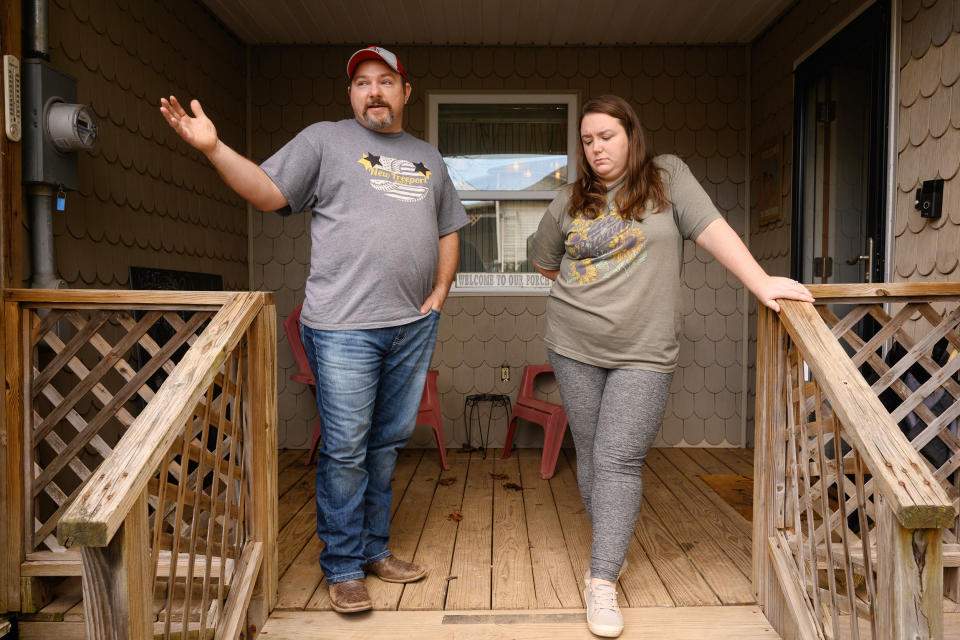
[602, 246]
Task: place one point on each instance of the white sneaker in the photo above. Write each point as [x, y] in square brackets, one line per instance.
[603, 612]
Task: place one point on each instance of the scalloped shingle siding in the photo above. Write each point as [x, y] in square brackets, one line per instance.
[928, 140]
[145, 199]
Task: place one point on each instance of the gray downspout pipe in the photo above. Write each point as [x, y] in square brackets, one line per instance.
[40, 200]
[37, 30]
[40, 196]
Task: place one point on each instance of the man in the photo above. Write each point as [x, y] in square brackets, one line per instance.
[384, 252]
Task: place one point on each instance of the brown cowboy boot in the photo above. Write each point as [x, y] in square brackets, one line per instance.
[350, 596]
[390, 569]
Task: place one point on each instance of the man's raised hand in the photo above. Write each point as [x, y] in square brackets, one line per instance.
[197, 130]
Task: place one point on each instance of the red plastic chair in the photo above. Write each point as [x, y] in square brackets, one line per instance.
[429, 404]
[548, 415]
[291, 327]
[430, 414]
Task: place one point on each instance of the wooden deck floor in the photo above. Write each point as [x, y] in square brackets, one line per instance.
[493, 535]
[507, 551]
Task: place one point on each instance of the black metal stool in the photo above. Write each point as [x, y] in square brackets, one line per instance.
[473, 402]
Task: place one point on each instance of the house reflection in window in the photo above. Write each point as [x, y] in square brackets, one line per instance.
[508, 157]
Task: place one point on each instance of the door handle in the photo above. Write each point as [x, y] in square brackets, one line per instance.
[867, 258]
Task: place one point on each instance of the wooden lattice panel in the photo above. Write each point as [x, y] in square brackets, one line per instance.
[911, 364]
[197, 505]
[90, 373]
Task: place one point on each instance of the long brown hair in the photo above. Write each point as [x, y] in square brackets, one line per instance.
[642, 186]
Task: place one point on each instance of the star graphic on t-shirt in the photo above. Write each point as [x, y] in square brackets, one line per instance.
[419, 167]
[370, 161]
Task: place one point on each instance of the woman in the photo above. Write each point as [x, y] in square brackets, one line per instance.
[613, 244]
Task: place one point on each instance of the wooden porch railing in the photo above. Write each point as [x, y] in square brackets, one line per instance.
[174, 395]
[854, 510]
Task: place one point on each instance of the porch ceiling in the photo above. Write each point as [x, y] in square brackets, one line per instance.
[497, 22]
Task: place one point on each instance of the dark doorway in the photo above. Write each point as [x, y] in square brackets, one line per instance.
[840, 155]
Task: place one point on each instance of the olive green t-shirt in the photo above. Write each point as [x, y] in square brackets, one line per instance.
[617, 299]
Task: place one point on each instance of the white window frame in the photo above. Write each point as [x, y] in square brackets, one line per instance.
[507, 283]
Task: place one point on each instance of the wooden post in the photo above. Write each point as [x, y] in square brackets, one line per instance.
[11, 461]
[117, 588]
[11, 171]
[764, 420]
[262, 442]
[761, 443]
[34, 591]
[909, 579]
[11, 415]
[768, 483]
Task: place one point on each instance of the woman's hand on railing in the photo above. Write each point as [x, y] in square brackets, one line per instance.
[772, 288]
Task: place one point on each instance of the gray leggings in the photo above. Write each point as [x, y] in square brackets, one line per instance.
[614, 416]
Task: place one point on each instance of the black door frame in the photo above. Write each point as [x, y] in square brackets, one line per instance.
[873, 22]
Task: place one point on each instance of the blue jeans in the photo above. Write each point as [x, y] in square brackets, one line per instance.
[369, 385]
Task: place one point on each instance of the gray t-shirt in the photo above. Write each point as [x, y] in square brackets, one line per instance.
[616, 302]
[379, 203]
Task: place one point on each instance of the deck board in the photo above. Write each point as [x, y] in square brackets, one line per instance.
[469, 585]
[512, 578]
[732, 460]
[719, 519]
[717, 569]
[574, 520]
[407, 464]
[703, 459]
[287, 457]
[685, 584]
[303, 577]
[687, 474]
[437, 539]
[293, 537]
[299, 491]
[554, 580]
[407, 526]
[639, 583]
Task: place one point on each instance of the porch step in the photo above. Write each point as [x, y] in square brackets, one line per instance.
[63, 617]
[659, 623]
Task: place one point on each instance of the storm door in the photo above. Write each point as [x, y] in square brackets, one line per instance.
[840, 155]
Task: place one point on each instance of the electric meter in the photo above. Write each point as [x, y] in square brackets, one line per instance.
[71, 127]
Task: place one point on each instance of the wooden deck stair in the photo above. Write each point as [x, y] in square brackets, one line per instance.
[654, 623]
[183, 490]
[63, 618]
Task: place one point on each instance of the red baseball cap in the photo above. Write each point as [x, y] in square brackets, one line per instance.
[375, 53]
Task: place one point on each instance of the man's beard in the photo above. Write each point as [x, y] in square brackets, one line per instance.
[383, 123]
